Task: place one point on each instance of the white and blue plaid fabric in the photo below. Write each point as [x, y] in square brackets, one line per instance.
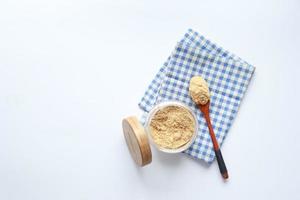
[227, 75]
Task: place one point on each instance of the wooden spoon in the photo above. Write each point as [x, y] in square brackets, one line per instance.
[200, 94]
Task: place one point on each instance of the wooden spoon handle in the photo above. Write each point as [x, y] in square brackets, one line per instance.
[221, 164]
[220, 160]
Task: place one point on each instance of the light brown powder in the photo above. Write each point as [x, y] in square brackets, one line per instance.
[199, 90]
[172, 127]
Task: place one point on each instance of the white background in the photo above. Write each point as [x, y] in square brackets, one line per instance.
[71, 70]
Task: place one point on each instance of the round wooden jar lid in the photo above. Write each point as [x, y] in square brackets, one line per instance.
[137, 141]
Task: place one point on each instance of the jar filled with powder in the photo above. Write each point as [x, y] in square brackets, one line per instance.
[171, 126]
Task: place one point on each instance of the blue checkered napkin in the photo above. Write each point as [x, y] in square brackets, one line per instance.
[227, 75]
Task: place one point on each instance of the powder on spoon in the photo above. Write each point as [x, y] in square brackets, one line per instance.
[172, 127]
[199, 90]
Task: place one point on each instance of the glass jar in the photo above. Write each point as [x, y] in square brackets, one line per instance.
[161, 106]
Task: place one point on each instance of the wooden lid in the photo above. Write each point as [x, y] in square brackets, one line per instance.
[137, 141]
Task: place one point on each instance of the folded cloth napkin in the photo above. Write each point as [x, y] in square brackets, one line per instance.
[228, 77]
